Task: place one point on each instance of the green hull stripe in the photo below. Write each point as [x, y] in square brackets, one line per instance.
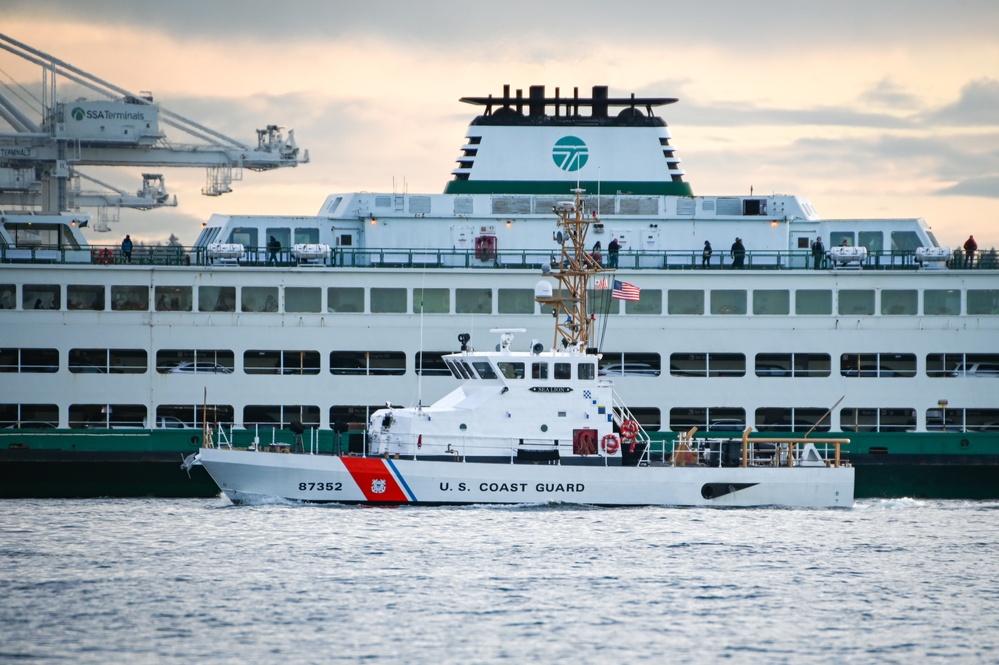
[560, 187]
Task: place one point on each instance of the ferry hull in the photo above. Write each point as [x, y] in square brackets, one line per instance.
[249, 476]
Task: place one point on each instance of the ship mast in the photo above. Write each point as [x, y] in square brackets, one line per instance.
[573, 324]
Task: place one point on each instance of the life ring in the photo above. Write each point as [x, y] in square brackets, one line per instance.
[105, 257]
[629, 429]
[610, 444]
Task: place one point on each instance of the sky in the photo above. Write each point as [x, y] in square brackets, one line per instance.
[886, 109]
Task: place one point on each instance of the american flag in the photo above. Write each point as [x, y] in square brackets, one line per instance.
[625, 291]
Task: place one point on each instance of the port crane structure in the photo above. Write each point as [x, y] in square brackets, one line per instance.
[48, 140]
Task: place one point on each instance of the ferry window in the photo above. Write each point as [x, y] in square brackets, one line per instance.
[29, 360]
[774, 364]
[385, 301]
[107, 416]
[650, 301]
[905, 241]
[431, 363]
[981, 420]
[562, 371]
[771, 302]
[978, 365]
[41, 296]
[200, 361]
[650, 418]
[280, 416]
[173, 298]
[812, 301]
[710, 364]
[884, 365]
[485, 370]
[431, 301]
[896, 420]
[473, 301]
[302, 299]
[858, 420]
[368, 362]
[873, 240]
[306, 236]
[683, 301]
[754, 207]
[179, 416]
[282, 235]
[245, 236]
[85, 296]
[8, 296]
[812, 364]
[331, 208]
[281, 362]
[587, 371]
[216, 298]
[944, 420]
[983, 301]
[712, 419]
[630, 364]
[129, 298]
[515, 301]
[29, 415]
[836, 238]
[107, 361]
[351, 299]
[943, 364]
[877, 420]
[514, 370]
[539, 370]
[599, 301]
[688, 364]
[726, 364]
[387, 363]
[259, 299]
[726, 301]
[797, 419]
[856, 302]
[942, 302]
[901, 302]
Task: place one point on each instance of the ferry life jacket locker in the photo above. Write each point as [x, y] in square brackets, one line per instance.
[485, 248]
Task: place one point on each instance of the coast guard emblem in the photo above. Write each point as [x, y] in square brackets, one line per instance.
[378, 486]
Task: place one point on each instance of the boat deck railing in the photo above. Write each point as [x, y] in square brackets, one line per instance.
[685, 450]
[522, 259]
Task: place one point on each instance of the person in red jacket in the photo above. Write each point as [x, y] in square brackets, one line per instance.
[970, 247]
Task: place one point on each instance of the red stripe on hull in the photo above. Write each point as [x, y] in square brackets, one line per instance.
[374, 479]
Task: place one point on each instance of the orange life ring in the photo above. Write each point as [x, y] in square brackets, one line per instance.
[610, 444]
[629, 429]
[105, 257]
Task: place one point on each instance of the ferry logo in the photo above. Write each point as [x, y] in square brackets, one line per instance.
[570, 153]
[78, 114]
[378, 486]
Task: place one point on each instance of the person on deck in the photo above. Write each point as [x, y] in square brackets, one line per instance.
[126, 248]
[970, 247]
[706, 254]
[612, 251]
[818, 253]
[738, 253]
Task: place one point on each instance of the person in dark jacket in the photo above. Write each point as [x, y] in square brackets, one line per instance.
[738, 253]
[970, 247]
[706, 254]
[126, 248]
[818, 253]
[273, 247]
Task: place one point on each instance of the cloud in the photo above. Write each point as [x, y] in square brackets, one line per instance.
[978, 105]
[888, 94]
[985, 187]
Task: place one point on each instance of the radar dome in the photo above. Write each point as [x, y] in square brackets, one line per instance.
[543, 289]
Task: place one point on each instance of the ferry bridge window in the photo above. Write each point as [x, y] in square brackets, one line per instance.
[685, 301]
[431, 301]
[473, 301]
[899, 302]
[8, 296]
[942, 302]
[281, 362]
[874, 241]
[41, 296]
[127, 298]
[108, 361]
[616, 364]
[173, 298]
[259, 299]
[853, 302]
[711, 419]
[279, 416]
[796, 419]
[562, 371]
[178, 416]
[388, 301]
[302, 299]
[516, 370]
[983, 302]
[515, 301]
[29, 416]
[431, 363]
[29, 360]
[905, 241]
[726, 301]
[371, 363]
[107, 416]
[883, 365]
[650, 302]
[813, 301]
[771, 302]
[216, 298]
[650, 418]
[195, 361]
[351, 299]
[85, 296]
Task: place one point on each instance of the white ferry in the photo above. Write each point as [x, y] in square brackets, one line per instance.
[885, 336]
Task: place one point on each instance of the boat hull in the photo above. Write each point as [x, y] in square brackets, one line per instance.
[250, 476]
